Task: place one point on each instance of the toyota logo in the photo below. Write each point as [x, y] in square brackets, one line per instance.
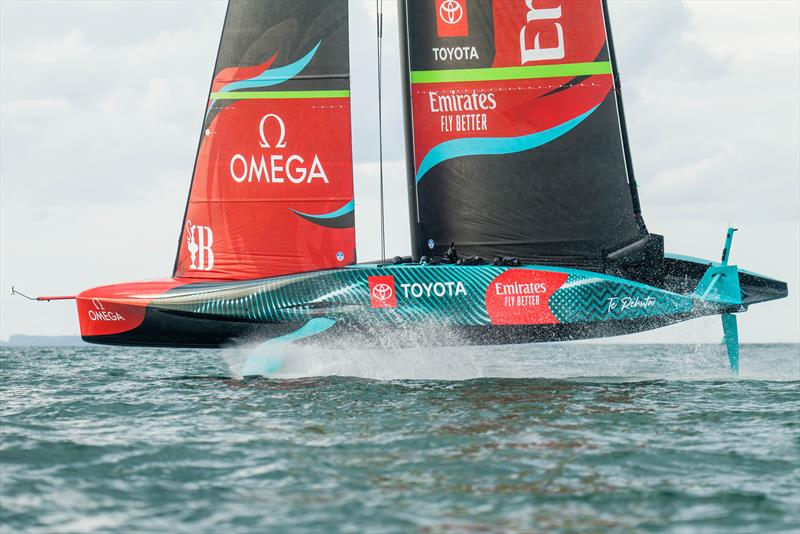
[382, 292]
[451, 12]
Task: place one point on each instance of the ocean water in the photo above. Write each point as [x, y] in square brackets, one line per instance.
[541, 438]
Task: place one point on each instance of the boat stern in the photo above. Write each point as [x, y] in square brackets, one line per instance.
[758, 288]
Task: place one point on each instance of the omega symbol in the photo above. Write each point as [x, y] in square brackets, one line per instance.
[281, 129]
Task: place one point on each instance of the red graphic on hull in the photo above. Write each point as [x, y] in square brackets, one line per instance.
[118, 308]
[381, 292]
[451, 18]
[522, 296]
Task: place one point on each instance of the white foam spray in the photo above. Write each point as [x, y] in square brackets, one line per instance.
[582, 361]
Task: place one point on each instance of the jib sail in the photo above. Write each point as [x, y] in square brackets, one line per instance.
[272, 190]
[517, 140]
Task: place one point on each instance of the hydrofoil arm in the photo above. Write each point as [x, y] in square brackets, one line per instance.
[720, 286]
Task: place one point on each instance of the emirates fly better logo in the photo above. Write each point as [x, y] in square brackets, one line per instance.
[381, 292]
[451, 18]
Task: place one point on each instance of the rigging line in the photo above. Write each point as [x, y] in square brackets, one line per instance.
[379, 20]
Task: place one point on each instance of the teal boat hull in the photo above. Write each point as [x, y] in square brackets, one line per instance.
[411, 304]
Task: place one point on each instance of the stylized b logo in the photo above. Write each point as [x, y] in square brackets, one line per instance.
[199, 240]
[205, 240]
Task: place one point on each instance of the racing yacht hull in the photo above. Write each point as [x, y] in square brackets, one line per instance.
[408, 304]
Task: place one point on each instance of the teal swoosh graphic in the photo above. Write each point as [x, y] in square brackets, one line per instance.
[347, 208]
[273, 76]
[474, 146]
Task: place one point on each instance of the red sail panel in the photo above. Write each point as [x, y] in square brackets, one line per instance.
[513, 107]
[263, 163]
[272, 191]
[547, 32]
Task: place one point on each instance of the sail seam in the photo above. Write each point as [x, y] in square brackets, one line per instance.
[511, 73]
[249, 95]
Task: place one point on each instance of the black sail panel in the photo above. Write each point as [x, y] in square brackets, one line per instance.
[517, 140]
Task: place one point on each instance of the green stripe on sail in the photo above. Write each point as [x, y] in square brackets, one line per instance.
[511, 73]
[250, 95]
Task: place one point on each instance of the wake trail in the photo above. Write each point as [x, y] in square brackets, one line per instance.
[579, 362]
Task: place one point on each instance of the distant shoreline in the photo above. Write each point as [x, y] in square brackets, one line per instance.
[23, 340]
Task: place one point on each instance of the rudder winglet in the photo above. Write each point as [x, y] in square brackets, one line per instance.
[730, 331]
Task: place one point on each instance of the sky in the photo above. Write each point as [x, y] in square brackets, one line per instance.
[101, 105]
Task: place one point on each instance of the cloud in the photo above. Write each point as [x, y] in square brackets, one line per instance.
[711, 108]
[93, 120]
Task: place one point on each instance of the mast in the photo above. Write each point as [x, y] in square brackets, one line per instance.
[637, 209]
[408, 127]
[379, 35]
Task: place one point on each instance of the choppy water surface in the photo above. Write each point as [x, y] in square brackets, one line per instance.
[501, 439]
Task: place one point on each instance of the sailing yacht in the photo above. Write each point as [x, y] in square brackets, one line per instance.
[525, 221]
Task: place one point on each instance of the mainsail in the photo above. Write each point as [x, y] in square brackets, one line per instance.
[272, 190]
[518, 145]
